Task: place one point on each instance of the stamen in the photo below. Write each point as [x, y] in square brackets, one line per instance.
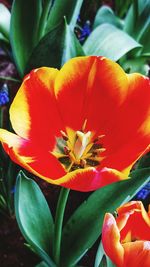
[64, 160]
[92, 162]
[84, 125]
[94, 154]
[64, 136]
[83, 163]
[100, 150]
[96, 146]
[70, 167]
[98, 138]
[75, 167]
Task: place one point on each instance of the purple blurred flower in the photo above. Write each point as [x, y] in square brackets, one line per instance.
[4, 95]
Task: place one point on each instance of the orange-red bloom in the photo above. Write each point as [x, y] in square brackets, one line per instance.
[126, 239]
[81, 127]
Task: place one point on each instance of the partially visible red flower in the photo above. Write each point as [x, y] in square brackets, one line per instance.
[82, 127]
[126, 239]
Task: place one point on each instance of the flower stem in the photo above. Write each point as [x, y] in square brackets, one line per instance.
[59, 222]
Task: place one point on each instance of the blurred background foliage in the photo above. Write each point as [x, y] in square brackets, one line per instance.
[38, 33]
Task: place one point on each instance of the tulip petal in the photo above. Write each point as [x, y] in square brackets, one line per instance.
[111, 240]
[26, 154]
[137, 219]
[85, 86]
[34, 113]
[130, 134]
[90, 179]
[124, 158]
[137, 254]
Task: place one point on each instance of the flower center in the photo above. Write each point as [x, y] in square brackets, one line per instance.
[78, 150]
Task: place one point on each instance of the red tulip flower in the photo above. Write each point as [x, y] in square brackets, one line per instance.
[126, 239]
[81, 127]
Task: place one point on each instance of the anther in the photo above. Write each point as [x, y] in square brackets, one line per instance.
[82, 163]
[64, 136]
[98, 138]
[94, 153]
[66, 150]
[64, 160]
[92, 162]
[84, 125]
[96, 146]
[100, 150]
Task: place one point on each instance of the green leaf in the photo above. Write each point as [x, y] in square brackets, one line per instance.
[121, 7]
[129, 21]
[42, 264]
[106, 15]
[47, 4]
[144, 162]
[3, 38]
[99, 255]
[109, 262]
[34, 217]
[61, 9]
[146, 43]
[55, 48]
[138, 25]
[25, 17]
[136, 65]
[142, 23]
[107, 40]
[4, 21]
[84, 226]
[101, 258]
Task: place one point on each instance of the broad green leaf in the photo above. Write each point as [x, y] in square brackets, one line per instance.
[84, 226]
[107, 40]
[106, 15]
[61, 9]
[25, 17]
[4, 21]
[34, 217]
[136, 65]
[55, 48]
